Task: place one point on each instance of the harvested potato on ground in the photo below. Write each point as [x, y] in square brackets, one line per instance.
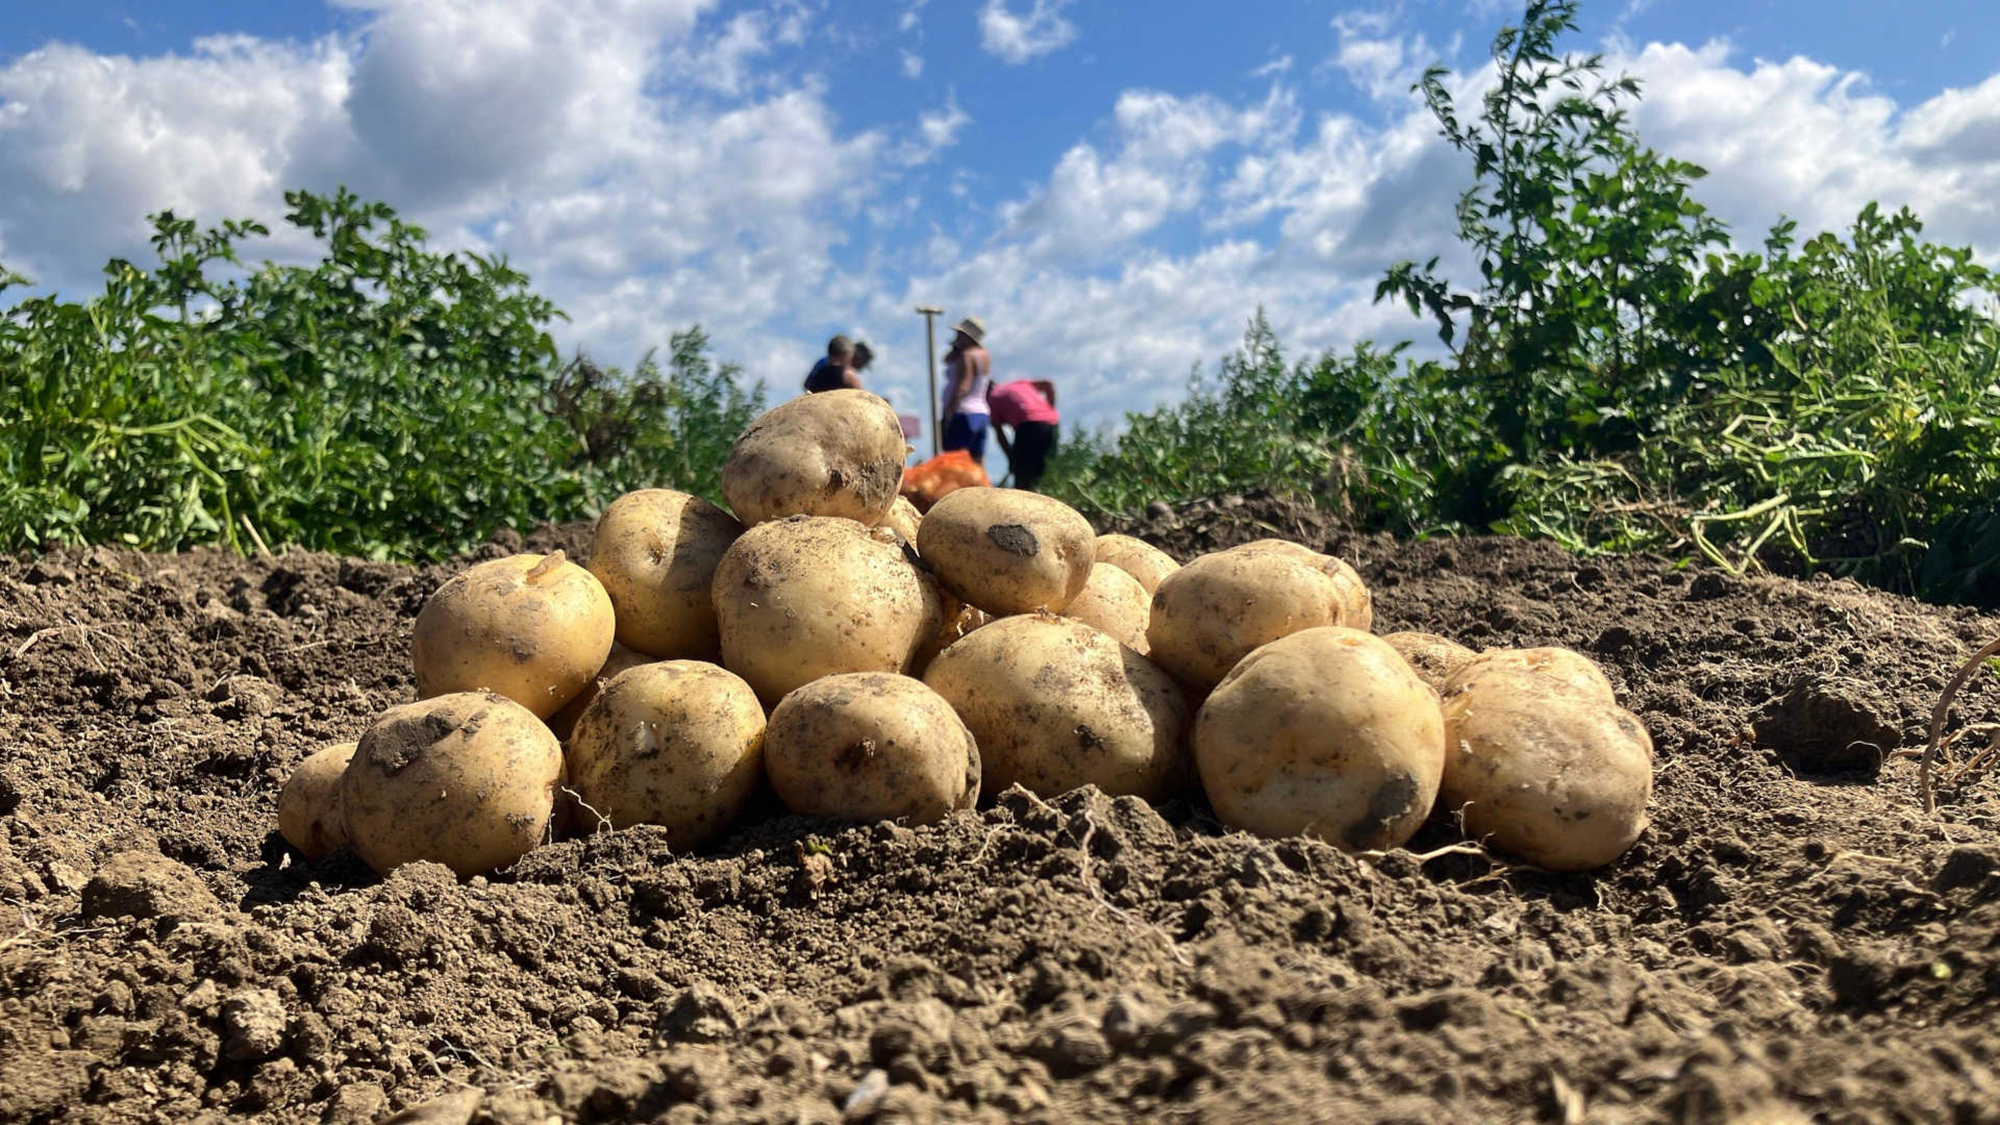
[1556, 775]
[563, 722]
[677, 743]
[1008, 551]
[1357, 606]
[1137, 558]
[655, 552]
[1326, 732]
[534, 628]
[813, 596]
[1212, 612]
[838, 453]
[1055, 704]
[466, 779]
[904, 519]
[309, 816]
[1435, 659]
[1571, 669]
[1115, 602]
[868, 746]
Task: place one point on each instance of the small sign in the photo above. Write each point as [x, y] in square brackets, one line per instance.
[912, 425]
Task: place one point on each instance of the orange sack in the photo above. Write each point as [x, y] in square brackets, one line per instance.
[953, 469]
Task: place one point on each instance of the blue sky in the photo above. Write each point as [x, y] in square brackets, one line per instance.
[1114, 187]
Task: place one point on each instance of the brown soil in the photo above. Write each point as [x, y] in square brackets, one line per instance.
[1791, 940]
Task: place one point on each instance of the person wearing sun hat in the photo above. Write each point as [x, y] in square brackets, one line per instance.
[968, 371]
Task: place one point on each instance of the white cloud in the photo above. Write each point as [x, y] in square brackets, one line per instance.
[1018, 37]
[1276, 68]
[1092, 204]
[913, 16]
[913, 64]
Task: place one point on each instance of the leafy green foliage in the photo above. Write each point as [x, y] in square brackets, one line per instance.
[1620, 377]
[388, 400]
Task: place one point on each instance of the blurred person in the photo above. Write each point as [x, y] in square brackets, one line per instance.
[836, 369]
[968, 371]
[1028, 406]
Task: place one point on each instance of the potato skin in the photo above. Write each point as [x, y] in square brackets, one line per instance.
[1563, 666]
[868, 746]
[655, 552]
[1114, 602]
[1214, 611]
[466, 779]
[1008, 551]
[1357, 605]
[1553, 774]
[1137, 558]
[563, 722]
[677, 743]
[533, 628]
[309, 808]
[812, 596]
[904, 519]
[1055, 704]
[1435, 659]
[838, 453]
[1325, 732]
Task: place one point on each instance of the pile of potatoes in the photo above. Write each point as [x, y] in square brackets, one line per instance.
[870, 662]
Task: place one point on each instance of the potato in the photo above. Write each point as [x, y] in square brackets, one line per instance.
[466, 779]
[1008, 551]
[677, 743]
[1434, 658]
[838, 453]
[813, 596]
[1212, 612]
[1137, 558]
[958, 620]
[1554, 774]
[1325, 732]
[904, 519]
[655, 552]
[563, 722]
[309, 816]
[533, 628]
[1114, 602]
[1571, 669]
[870, 746]
[1357, 606]
[1055, 704]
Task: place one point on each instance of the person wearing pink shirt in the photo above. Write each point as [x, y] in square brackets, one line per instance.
[1028, 407]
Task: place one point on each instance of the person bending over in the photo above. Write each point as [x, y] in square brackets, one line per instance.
[1028, 406]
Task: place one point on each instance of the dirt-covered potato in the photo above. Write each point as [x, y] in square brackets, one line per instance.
[1571, 669]
[958, 620]
[838, 453]
[1137, 558]
[1435, 659]
[677, 743]
[1008, 551]
[309, 816]
[1054, 704]
[1357, 606]
[466, 779]
[904, 519]
[813, 596]
[534, 628]
[1325, 732]
[1115, 602]
[563, 722]
[868, 746]
[1554, 774]
[655, 552]
[1212, 612]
